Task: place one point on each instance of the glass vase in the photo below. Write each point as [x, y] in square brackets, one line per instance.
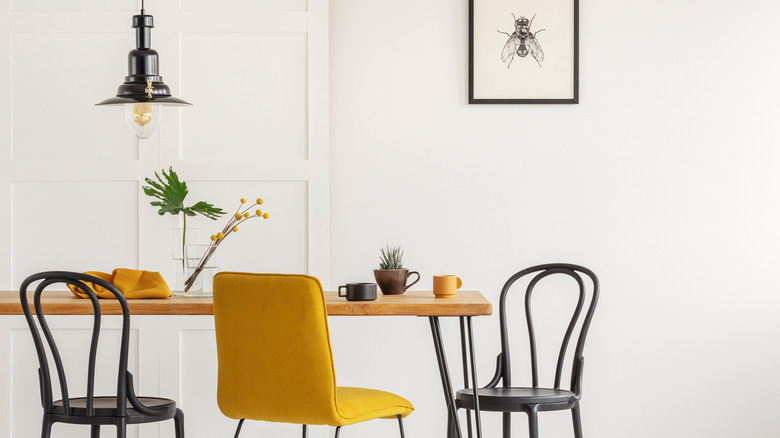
[203, 284]
[181, 237]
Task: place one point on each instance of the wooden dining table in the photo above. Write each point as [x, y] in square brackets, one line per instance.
[464, 305]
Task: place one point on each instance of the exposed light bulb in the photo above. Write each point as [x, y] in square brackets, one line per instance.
[142, 113]
[143, 118]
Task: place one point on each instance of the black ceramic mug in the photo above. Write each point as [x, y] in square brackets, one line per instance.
[359, 291]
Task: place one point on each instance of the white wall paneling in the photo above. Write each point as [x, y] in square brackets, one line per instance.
[245, 5]
[170, 356]
[6, 376]
[319, 140]
[259, 77]
[124, 6]
[273, 103]
[254, 244]
[51, 116]
[19, 365]
[257, 73]
[6, 232]
[78, 239]
[71, 173]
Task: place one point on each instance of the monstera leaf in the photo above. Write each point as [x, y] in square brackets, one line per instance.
[205, 209]
[170, 193]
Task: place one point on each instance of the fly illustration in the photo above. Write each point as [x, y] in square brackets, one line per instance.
[521, 42]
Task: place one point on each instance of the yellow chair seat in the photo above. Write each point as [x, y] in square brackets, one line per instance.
[360, 404]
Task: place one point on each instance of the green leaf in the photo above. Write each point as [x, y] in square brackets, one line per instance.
[207, 210]
[155, 190]
[165, 208]
[170, 192]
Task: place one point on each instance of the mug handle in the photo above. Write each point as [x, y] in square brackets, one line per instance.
[415, 281]
[345, 293]
[460, 283]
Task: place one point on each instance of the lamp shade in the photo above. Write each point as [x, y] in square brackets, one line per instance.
[143, 87]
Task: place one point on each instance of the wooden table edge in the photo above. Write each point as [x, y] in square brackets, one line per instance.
[412, 303]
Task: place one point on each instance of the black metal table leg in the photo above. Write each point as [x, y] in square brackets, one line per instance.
[446, 382]
[474, 379]
[464, 358]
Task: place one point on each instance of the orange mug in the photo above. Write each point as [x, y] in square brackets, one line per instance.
[446, 285]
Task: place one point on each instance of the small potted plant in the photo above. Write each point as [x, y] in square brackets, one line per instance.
[391, 275]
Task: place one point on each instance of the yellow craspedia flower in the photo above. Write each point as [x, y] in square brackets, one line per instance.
[246, 215]
[243, 200]
[220, 236]
[259, 201]
[238, 216]
[213, 237]
[259, 212]
[265, 215]
[235, 229]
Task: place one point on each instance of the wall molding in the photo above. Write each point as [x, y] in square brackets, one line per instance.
[80, 155]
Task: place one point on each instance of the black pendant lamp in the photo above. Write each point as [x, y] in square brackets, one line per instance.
[143, 93]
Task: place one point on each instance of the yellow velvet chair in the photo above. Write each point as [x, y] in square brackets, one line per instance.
[275, 359]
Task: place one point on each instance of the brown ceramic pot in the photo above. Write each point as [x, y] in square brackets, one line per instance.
[393, 281]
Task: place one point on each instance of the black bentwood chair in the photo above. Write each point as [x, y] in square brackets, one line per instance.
[123, 409]
[534, 399]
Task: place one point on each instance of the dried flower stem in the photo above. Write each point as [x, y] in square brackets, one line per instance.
[231, 226]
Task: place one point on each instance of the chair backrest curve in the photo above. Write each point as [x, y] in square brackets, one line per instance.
[579, 274]
[273, 349]
[81, 281]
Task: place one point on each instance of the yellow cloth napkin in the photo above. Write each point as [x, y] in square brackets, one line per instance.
[133, 283]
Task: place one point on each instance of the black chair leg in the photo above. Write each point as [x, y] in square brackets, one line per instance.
[178, 423]
[575, 417]
[401, 425]
[507, 424]
[338, 429]
[468, 422]
[121, 428]
[95, 431]
[46, 428]
[238, 429]
[533, 423]
[450, 427]
[305, 432]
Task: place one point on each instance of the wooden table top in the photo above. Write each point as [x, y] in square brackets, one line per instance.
[411, 303]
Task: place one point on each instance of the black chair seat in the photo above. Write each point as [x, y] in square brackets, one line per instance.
[106, 406]
[497, 399]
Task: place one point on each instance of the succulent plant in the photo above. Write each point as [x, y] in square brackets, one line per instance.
[391, 257]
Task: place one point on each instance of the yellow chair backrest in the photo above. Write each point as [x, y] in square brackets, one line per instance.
[273, 349]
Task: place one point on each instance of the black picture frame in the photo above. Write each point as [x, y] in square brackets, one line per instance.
[516, 96]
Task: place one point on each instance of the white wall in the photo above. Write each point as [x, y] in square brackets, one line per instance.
[663, 180]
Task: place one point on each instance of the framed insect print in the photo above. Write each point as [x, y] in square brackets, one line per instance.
[523, 51]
